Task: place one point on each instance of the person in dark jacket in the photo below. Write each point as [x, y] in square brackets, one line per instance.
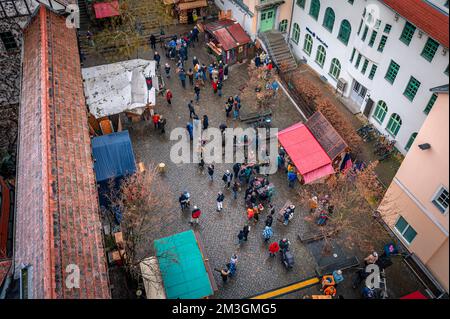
[190, 75]
[153, 41]
[235, 189]
[269, 221]
[191, 109]
[241, 237]
[205, 122]
[227, 178]
[157, 58]
[225, 72]
[182, 77]
[246, 231]
[162, 124]
[190, 130]
[236, 169]
[220, 199]
[211, 171]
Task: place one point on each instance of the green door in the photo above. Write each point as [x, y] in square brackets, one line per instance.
[267, 20]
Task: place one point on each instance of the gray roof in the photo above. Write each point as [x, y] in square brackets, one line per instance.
[440, 89]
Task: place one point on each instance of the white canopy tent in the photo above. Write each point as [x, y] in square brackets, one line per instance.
[118, 87]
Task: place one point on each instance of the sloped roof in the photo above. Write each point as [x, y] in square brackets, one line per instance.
[5, 265]
[57, 215]
[424, 16]
[326, 135]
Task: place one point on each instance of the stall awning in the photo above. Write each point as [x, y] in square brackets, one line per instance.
[182, 267]
[193, 5]
[106, 9]
[239, 34]
[308, 156]
[113, 156]
[415, 295]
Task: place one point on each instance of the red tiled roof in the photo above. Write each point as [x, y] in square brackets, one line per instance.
[57, 215]
[239, 34]
[225, 39]
[4, 269]
[423, 16]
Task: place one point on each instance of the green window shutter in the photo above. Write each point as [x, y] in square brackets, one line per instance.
[321, 56]
[360, 27]
[412, 88]
[410, 141]
[373, 38]
[335, 69]
[382, 43]
[308, 44]
[314, 10]
[430, 104]
[373, 71]
[328, 21]
[296, 33]
[401, 225]
[392, 72]
[353, 55]
[394, 124]
[408, 33]
[301, 3]
[430, 49]
[380, 112]
[345, 31]
[358, 60]
[350, 1]
[365, 65]
[364, 36]
[387, 28]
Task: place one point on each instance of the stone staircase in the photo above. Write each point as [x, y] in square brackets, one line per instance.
[279, 50]
[84, 18]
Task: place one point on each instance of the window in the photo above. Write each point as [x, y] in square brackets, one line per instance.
[412, 88]
[314, 10]
[283, 26]
[372, 38]
[296, 33]
[441, 200]
[307, 47]
[364, 36]
[8, 40]
[360, 27]
[394, 124]
[321, 56]
[382, 43]
[408, 33]
[350, 1]
[430, 104]
[365, 65]
[328, 20]
[387, 28]
[358, 60]
[301, 3]
[406, 231]
[392, 72]
[345, 32]
[380, 112]
[411, 141]
[373, 71]
[335, 69]
[353, 55]
[430, 49]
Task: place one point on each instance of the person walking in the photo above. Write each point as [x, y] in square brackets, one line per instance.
[227, 177]
[235, 189]
[190, 129]
[269, 221]
[205, 122]
[250, 213]
[236, 169]
[211, 172]
[195, 61]
[155, 119]
[225, 72]
[219, 88]
[267, 233]
[169, 96]
[284, 244]
[190, 75]
[224, 274]
[257, 61]
[273, 249]
[236, 111]
[153, 41]
[228, 109]
[167, 70]
[162, 124]
[195, 216]
[220, 199]
[292, 177]
[241, 237]
[182, 77]
[197, 92]
[214, 86]
[246, 231]
[191, 109]
[288, 214]
[157, 58]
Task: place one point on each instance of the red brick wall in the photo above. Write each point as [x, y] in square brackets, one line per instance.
[57, 221]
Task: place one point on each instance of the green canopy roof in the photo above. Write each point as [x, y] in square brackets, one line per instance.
[182, 267]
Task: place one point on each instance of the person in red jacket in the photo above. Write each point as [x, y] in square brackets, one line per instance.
[169, 97]
[155, 119]
[274, 248]
[195, 215]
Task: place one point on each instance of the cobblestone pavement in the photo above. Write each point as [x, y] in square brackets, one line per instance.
[256, 272]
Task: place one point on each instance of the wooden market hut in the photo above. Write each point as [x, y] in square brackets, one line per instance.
[228, 41]
[188, 9]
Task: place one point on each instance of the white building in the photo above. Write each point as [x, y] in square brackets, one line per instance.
[390, 53]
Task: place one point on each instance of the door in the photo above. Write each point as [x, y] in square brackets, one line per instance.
[358, 93]
[267, 20]
[369, 107]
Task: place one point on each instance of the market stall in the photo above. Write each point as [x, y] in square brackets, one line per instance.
[184, 268]
[306, 153]
[228, 41]
[190, 10]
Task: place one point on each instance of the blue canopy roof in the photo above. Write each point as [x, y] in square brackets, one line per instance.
[113, 156]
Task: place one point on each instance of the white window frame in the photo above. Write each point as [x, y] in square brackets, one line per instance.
[406, 228]
[436, 195]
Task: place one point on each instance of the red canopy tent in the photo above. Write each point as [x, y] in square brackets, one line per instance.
[306, 153]
[106, 9]
[415, 295]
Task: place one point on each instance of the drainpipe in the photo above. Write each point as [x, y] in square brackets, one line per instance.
[290, 22]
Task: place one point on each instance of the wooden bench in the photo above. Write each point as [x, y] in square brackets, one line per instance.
[311, 236]
[281, 211]
[349, 262]
[255, 117]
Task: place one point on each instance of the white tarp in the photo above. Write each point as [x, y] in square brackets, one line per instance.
[151, 276]
[114, 88]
